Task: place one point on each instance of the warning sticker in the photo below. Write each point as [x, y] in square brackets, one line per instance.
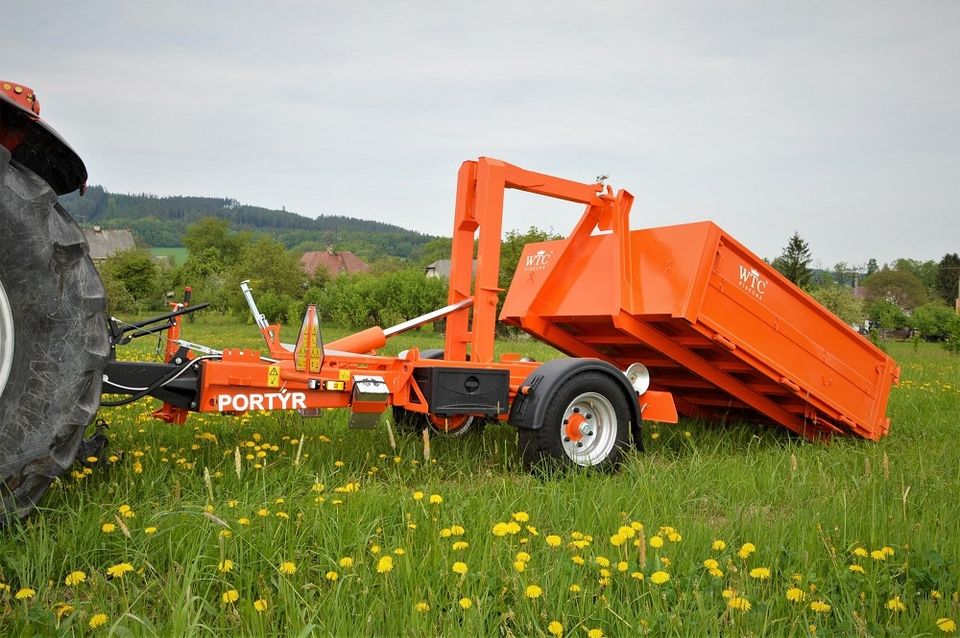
[344, 375]
[273, 377]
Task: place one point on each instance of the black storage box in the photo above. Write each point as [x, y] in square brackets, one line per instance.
[451, 391]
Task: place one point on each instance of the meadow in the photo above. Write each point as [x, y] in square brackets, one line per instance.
[271, 524]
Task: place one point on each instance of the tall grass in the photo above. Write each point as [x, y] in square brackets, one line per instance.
[313, 492]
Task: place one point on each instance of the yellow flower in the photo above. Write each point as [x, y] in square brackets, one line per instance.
[861, 552]
[636, 575]
[98, 620]
[25, 593]
[331, 575]
[385, 564]
[656, 542]
[108, 528]
[523, 556]
[718, 545]
[149, 530]
[374, 549]
[260, 605]
[674, 537]
[739, 603]
[623, 566]
[746, 549]
[595, 633]
[820, 607]
[728, 593]
[659, 577]
[878, 554]
[118, 570]
[519, 565]
[856, 568]
[574, 589]
[711, 563]
[521, 517]
[617, 540]
[896, 605]
[399, 551]
[553, 540]
[445, 533]
[577, 560]
[225, 566]
[795, 595]
[760, 573]
[716, 573]
[457, 530]
[555, 628]
[126, 511]
[288, 567]
[888, 551]
[458, 545]
[75, 578]
[346, 562]
[418, 496]
[465, 603]
[460, 568]
[422, 606]
[946, 625]
[436, 499]
[230, 596]
[533, 591]
[602, 561]
[63, 609]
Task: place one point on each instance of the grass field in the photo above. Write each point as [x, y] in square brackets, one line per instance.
[177, 254]
[270, 524]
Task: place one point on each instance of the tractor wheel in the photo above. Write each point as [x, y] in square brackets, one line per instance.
[53, 338]
[586, 424]
[454, 426]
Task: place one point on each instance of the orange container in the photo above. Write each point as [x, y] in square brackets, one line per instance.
[717, 326]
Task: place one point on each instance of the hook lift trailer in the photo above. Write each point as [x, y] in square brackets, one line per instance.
[655, 322]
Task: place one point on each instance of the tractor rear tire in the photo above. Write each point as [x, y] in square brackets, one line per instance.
[53, 338]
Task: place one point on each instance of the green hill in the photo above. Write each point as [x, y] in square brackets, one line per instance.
[162, 221]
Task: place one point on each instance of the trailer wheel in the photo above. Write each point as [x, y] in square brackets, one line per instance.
[586, 424]
[53, 338]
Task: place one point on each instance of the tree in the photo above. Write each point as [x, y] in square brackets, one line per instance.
[872, 266]
[925, 271]
[212, 239]
[948, 278]
[934, 320]
[793, 263]
[134, 278]
[886, 315]
[896, 286]
[839, 300]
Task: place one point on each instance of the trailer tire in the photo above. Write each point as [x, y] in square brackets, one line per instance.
[586, 424]
[53, 338]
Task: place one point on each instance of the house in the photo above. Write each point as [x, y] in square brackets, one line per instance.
[336, 263]
[441, 268]
[107, 243]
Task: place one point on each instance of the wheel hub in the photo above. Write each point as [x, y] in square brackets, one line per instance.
[589, 429]
[6, 338]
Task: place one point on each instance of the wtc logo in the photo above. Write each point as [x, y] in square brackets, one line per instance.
[538, 260]
[752, 282]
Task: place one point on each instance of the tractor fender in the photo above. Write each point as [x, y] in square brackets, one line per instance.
[541, 385]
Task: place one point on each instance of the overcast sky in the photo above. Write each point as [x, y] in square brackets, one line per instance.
[840, 120]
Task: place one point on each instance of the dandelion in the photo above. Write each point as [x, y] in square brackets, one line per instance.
[521, 517]
[659, 577]
[716, 573]
[63, 609]
[574, 589]
[887, 551]
[288, 568]
[861, 552]
[108, 528]
[718, 545]
[436, 499]
[739, 603]
[655, 542]
[385, 564]
[636, 575]
[796, 595]
[260, 605]
[98, 620]
[118, 570]
[602, 561]
[346, 562]
[896, 605]
[225, 566]
[457, 530]
[149, 531]
[422, 606]
[878, 554]
[519, 565]
[728, 593]
[459, 568]
[674, 536]
[623, 566]
[711, 563]
[460, 545]
[746, 549]
[946, 625]
[230, 596]
[332, 576]
[577, 560]
[126, 511]
[555, 628]
[857, 569]
[760, 573]
[523, 556]
[25, 593]
[465, 603]
[533, 591]
[820, 607]
[75, 578]
[553, 540]
[617, 540]
[595, 633]
[399, 551]
[418, 496]
[374, 549]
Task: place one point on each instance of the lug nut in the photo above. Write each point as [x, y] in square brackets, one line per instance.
[579, 444]
[566, 439]
[576, 410]
[589, 416]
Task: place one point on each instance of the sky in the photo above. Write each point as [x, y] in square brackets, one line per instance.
[838, 120]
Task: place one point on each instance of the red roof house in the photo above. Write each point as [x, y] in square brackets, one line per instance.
[335, 263]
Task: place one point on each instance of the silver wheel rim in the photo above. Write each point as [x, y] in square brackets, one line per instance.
[589, 429]
[6, 339]
[439, 431]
